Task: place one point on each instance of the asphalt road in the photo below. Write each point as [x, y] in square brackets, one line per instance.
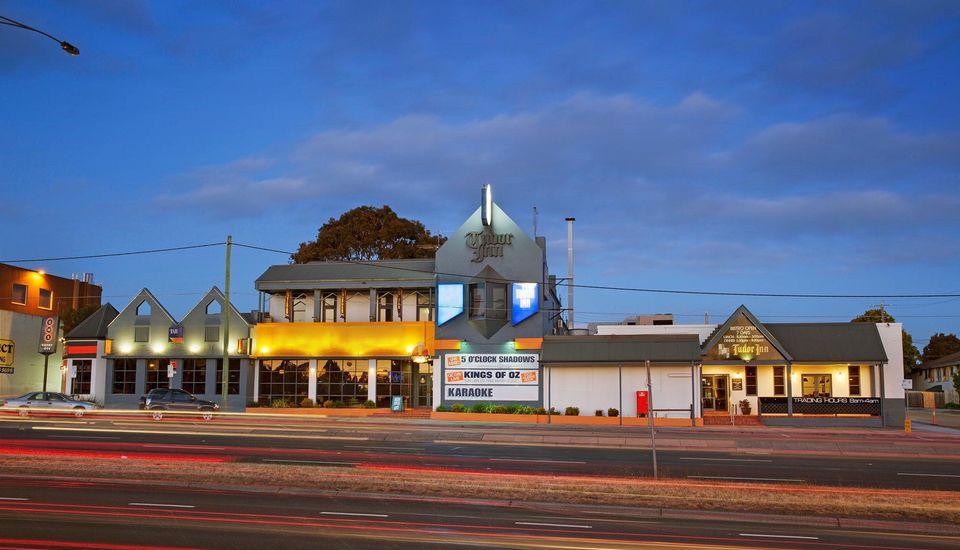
[429, 447]
[82, 514]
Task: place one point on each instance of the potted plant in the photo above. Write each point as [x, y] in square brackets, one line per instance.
[745, 406]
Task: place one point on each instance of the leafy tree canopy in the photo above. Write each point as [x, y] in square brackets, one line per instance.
[940, 344]
[368, 233]
[911, 355]
[74, 317]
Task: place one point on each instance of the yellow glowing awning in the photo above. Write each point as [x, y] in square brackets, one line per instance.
[341, 339]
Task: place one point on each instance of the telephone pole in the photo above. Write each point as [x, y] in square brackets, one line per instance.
[225, 325]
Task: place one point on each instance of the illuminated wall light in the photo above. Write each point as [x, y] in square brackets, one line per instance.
[158, 348]
[264, 350]
[194, 348]
[126, 347]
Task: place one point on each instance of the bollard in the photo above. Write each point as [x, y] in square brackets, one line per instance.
[906, 426]
[934, 416]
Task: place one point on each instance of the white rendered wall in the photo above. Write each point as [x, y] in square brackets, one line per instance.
[358, 308]
[892, 336]
[596, 387]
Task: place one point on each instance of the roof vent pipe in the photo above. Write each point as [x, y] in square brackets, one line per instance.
[570, 324]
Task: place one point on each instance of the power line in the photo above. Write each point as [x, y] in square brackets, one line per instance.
[636, 289]
[112, 254]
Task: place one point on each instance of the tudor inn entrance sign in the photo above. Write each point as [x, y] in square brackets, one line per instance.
[487, 244]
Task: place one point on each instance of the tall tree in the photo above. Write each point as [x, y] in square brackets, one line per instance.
[368, 233]
[74, 317]
[911, 355]
[940, 344]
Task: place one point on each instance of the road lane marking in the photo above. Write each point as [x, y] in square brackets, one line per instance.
[354, 514]
[538, 460]
[326, 462]
[81, 437]
[383, 448]
[537, 524]
[725, 459]
[747, 478]
[778, 536]
[209, 434]
[13, 498]
[160, 505]
[164, 446]
[926, 475]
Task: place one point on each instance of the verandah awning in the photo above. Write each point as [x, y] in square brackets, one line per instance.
[612, 350]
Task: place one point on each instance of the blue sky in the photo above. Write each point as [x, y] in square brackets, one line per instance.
[742, 146]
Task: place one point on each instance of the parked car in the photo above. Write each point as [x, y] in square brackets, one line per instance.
[163, 399]
[48, 401]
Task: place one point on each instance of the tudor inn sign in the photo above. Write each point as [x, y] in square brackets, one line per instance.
[487, 244]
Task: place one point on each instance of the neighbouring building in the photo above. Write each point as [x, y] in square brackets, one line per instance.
[814, 373]
[27, 297]
[937, 376]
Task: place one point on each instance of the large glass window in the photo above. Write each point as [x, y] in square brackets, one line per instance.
[394, 377]
[157, 374]
[853, 372]
[124, 376]
[498, 301]
[817, 385]
[19, 294]
[283, 380]
[233, 377]
[477, 300]
[779, 381]
[83, 371]
[342, 380]
[424, 385]
[195, 376]
[46, 298]
[751, 380]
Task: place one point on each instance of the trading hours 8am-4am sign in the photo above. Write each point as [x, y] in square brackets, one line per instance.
[492, 377]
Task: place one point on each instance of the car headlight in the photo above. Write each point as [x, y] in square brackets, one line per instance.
[215, 406]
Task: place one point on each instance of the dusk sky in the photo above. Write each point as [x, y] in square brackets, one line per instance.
[764, 146]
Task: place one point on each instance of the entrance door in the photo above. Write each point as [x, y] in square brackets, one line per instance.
[714, 394]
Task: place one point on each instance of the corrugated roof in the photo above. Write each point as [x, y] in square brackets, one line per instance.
[950, 359]
[391, 270]
[826, 342]
[613, 349]
[95, 326]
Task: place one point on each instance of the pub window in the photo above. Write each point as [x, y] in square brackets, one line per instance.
[751, 380]
[385, 306]
[779, 381]
[19, 294]
[195, 376]
[124, 376]
[328, 309]
[854, 376]
[211, 333]
[157, 374]
[81, 382]
[424, 307]
[283, 382]
[46, 298]
[233, 377]
[477, 300]
[498, 301]
[141, 334]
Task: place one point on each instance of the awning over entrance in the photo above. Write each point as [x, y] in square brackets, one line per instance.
[582, 351]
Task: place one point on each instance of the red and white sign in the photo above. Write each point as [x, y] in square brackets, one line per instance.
[49, 331]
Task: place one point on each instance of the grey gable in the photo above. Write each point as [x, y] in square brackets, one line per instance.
[214, 294]
[145, 295]
[95, 326]
[714, 338]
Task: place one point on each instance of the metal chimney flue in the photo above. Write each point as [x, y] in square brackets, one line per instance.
[570, 325]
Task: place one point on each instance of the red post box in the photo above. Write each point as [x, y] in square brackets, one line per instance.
[642, 403]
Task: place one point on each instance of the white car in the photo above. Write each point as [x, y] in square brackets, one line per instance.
[48, 401]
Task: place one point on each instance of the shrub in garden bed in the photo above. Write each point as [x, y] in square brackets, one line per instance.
[571, 411]
[443, 409]
[598, 412]
[307, 403]
[368, 404]
[613, 413]
[458, 408]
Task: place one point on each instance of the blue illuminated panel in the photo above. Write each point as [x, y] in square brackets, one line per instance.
[449, 301]
[526, 301]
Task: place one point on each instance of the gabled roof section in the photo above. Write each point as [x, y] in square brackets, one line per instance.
[322, 274]
[606, 350]
[831, 342]
[145, 294]
[718, 335]
[95, 326]
[214, 294]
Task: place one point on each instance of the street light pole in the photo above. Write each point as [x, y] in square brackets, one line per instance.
[225, 326]
[650, 420]
[64, 45]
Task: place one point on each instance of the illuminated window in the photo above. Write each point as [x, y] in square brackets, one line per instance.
[853, 373]
[195, 376]
[81, 382]
[19, 294]
[46, 298]
[342, 380]
[779, 381]
[124, 376]
[394, 377]
[157, 374]
[283, 381]
[233, 377]
[751, 380]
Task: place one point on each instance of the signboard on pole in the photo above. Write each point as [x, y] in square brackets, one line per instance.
[908, 383]
[49, 333]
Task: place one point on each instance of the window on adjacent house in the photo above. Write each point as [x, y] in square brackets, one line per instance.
[751, 380]
[141, 334]
[19, 294]
[854, 376]
[46, 298]
[779, 381]
[211, 333]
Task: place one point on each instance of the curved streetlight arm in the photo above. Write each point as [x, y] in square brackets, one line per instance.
[66, 46]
